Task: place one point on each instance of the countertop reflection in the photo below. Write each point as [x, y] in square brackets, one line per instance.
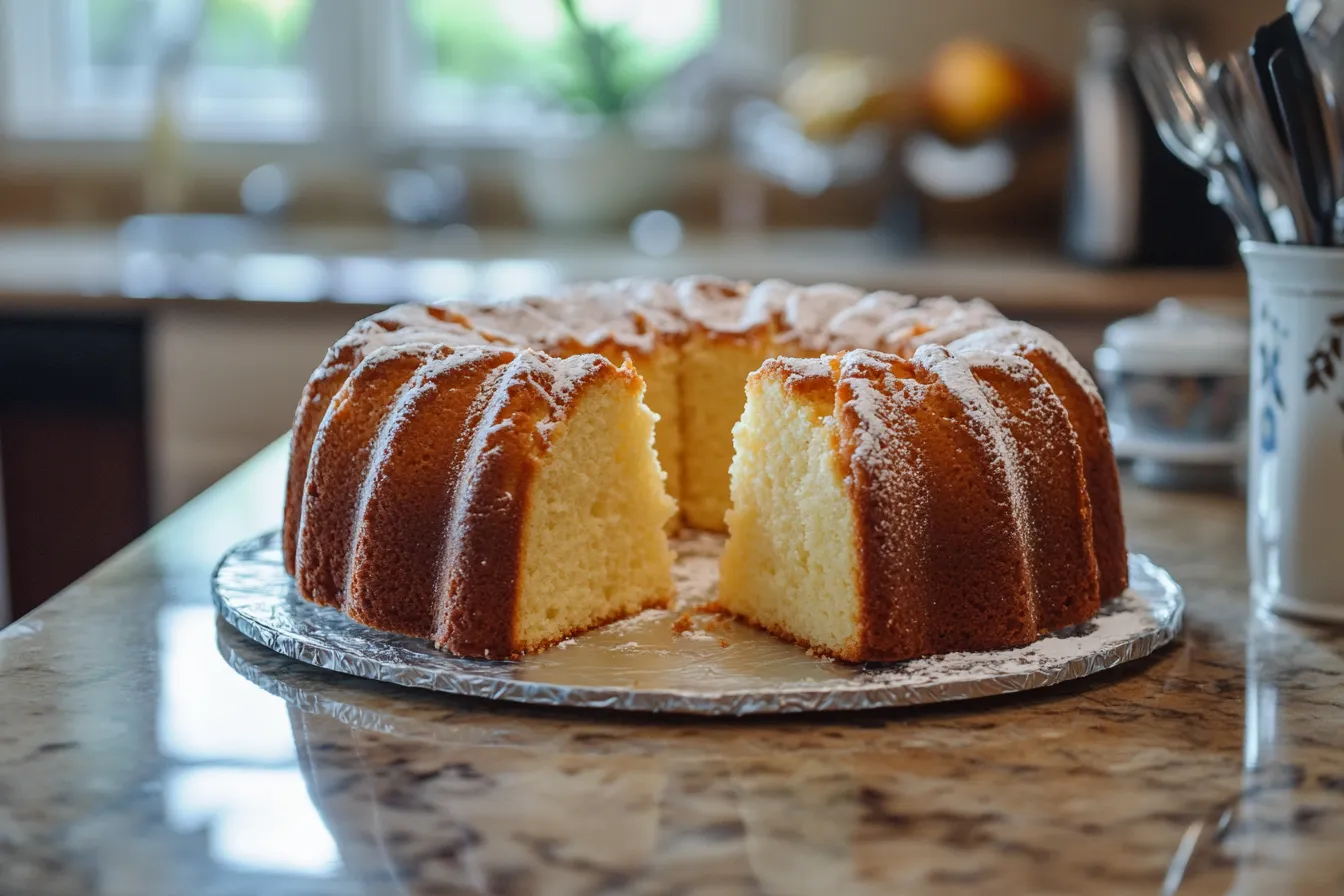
[145, 748]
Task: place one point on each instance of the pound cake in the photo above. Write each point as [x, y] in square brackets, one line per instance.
[1082, 401]
[886, 509]
[492, 500]
[473, 472]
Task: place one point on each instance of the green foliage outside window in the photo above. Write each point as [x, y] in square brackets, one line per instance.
[596, 55]
[241, 33]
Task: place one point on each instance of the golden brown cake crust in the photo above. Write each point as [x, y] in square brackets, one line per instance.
[811, 379]
[321, 388]
[339, 466]
[402, 530]
[417, 492]
[398, 325]
[1057, 513]
[941, 556]
[1082, 402]
[484, 556]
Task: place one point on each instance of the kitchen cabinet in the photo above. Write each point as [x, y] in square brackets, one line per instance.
[224, 379]
[73, 457]
[109, 422]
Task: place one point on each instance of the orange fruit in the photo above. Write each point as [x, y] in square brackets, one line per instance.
[975, 88]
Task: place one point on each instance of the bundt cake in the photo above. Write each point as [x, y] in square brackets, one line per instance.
[732, 328]
[1082, 400]
[432, 446]
[494, 500]
[886, 509]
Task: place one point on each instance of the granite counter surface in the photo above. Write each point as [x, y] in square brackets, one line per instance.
[147, 749]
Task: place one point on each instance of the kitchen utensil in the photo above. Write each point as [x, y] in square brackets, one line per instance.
[1223, 95]
[1300, 108]
[1190, 132]
[1252, 129]
[1312, 164]
[1210, 91]
[1195, 75]
[1295, 486]
[1320, 23]
[1321, 26]
[1210, 136]
[1321, 19]
[1269, 38]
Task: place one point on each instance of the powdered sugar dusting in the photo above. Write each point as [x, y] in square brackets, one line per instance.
[1019, 338]
[653, 305]
[1113, 626]
[767, 302]
[880, 394]
[987, 425]
[696, 634]
[954, 373]
[798, 372]
[1010, 365]
[864, 324]
[714, 303]
[809, 312]
[638, 314]
[623, 628]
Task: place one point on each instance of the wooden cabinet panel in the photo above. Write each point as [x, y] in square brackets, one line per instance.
[72, 448]
[75, 490]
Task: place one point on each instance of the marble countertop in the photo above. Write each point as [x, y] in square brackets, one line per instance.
[147, 749]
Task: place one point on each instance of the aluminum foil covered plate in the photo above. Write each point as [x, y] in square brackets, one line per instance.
[664, 661]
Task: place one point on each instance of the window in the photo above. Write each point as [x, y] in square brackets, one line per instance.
[350, 72]
[93, 68]
[494, 68]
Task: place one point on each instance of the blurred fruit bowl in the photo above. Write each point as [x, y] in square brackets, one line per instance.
[831, 96]
[972, 90]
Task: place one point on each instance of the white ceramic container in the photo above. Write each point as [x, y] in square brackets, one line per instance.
[1295, 487]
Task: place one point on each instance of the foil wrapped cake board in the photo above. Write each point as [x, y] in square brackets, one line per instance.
[717, 667]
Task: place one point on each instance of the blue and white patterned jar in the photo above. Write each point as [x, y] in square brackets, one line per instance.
[1295, 488]
[1176, 373]
[1176, 382]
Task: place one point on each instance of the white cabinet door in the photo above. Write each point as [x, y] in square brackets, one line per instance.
[224, 380]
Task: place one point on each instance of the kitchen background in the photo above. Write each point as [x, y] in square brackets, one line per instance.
[200, 197]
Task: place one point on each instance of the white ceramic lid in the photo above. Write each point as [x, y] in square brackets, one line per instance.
[1174, 338]
[1128, 447]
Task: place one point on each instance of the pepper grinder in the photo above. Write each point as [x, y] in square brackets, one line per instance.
[1129, 201]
